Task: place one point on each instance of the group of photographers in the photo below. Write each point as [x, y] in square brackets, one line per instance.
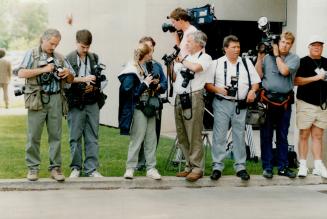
[57, 86]
[236, 83]
[72, 85]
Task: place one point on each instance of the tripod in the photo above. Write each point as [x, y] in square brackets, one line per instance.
[176, 157]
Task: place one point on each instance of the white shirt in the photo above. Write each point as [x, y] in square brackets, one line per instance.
[217, 68]
[200, 78]
[182, 45]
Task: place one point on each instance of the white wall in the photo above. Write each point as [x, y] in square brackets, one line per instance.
[117, 26]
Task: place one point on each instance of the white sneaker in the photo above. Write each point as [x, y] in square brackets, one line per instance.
[153, 173]
[303, 171]
[95, 174]
[320, 171]
[129, 174]
[75, 173]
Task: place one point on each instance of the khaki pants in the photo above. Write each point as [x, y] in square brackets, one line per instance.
[189, 131]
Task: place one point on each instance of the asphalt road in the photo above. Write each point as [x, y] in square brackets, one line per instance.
[300, 202]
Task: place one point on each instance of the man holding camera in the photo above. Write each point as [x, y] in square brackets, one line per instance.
[234, 81]
[46, 73]
[311, 105]
[181, 21]
[83, 114]
[277, 71]
[191, 76]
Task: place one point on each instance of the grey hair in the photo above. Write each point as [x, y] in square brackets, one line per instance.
[49, 33]
[199, 37]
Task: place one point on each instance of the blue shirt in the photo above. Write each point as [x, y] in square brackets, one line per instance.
[28, 61]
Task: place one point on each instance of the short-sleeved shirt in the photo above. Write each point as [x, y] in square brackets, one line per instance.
[54, 86]
[182, 45]
[200, 78]
[273, 80]
[217, 76]
[315, 91]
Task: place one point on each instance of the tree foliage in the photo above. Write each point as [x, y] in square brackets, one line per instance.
[22, 23]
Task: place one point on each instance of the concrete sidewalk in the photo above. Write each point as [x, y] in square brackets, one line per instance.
[168, 182]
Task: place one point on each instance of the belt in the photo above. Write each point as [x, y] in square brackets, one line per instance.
[231, 100]
[193, 92]
[51, 93]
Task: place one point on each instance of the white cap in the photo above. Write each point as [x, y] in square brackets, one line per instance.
[316, 39]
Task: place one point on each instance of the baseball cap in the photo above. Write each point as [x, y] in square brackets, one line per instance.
[316, 39]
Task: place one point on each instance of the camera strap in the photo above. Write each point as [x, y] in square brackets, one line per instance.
[225, 72]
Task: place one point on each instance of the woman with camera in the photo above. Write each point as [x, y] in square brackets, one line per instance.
[137, 110]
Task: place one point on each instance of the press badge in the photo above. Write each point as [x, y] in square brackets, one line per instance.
[319, 70]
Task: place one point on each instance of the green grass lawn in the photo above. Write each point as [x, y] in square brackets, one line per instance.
[113, 152]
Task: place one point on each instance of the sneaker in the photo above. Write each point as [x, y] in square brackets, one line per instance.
[303, 171]
[129, 174]
[75, 173]
[56, 174]
[287, 172]
[243, 175]
[153, 173]
[95, 174]
[320, 171]
[33, 175]
[268, 174]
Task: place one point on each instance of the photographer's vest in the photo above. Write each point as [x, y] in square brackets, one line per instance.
[33, 89]
[74, 95]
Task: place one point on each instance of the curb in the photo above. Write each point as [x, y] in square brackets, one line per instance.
[168, 182]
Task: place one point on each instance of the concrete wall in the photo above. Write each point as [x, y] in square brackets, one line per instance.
[117, 26]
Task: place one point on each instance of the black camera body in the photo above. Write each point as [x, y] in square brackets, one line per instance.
[48, 77]
[188, 75]
[232, 89]
[266, 44]
[168, 27]
[155, 75]
[168, 59]
[98, 68]
[19, 90]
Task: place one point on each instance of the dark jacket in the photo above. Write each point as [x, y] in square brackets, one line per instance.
[131, 88]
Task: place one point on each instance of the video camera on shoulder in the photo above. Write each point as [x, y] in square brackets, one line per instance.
[232, 89]
[266, 44]
[48, 77]
[168, 59]
[187, 75]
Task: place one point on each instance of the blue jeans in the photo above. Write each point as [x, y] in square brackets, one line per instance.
[277, 118]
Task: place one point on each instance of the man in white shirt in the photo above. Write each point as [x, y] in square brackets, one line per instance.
[191, 76]
[234, 81]
[181, 21]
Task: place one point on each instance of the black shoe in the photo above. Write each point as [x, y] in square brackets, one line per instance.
[243, 175]
[268, 174]
[216, 174]
[287, 172]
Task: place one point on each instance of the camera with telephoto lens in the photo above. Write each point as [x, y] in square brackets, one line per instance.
[48, 77]
[168, 59]
[266, 44]
[187, 75]
[168, 27]
[232, 89]
[155, 75]
[19, 90]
